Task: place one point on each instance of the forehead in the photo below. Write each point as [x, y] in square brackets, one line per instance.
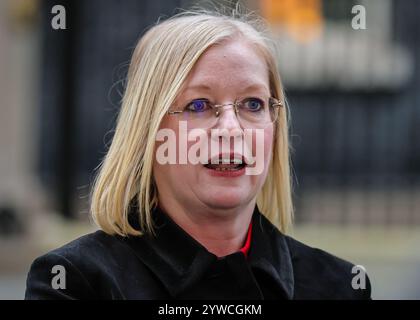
[230, 64]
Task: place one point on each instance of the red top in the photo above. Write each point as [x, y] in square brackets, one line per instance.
[247, 244]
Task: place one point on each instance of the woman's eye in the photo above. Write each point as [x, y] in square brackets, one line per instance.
[198, 106]
[254, 104]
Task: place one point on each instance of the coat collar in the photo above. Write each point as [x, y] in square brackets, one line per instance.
[178, 260]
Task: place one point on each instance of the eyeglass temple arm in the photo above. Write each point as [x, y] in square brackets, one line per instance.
[175, 111]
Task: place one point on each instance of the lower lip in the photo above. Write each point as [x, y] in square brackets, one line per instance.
[226, 173]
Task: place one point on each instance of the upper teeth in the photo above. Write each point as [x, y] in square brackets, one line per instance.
[228, 161]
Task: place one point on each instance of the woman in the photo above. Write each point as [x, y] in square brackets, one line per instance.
[193, 198]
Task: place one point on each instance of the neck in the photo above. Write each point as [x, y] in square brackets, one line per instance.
[220, 231]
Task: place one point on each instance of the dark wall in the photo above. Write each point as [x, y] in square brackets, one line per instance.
[82, 69]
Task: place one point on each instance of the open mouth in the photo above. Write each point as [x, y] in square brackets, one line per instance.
[226, 163]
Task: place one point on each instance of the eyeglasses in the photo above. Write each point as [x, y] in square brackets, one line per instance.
[250, 112]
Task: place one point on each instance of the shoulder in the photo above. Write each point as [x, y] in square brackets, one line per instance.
[74, 270]
[311, 272]
[323, 275]
[89, 247]
[85, 250]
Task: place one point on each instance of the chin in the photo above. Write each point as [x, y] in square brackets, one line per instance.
[225, 199]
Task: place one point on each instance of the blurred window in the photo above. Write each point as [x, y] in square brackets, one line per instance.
[320, 49]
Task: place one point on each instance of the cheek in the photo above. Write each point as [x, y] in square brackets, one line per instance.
[268, 143]
[263, 144]
[173, 178]
[178, 172]
[268, 150]
[166, 173]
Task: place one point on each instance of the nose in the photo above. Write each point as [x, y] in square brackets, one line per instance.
[228, 125]
[228, 118]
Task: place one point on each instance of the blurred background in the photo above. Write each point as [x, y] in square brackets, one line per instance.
[353, 89]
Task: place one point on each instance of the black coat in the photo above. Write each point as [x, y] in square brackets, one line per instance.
[174, 265]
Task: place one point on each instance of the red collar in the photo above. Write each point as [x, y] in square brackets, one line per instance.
[247, 244]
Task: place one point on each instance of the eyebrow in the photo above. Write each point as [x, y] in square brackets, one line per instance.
[204, 87]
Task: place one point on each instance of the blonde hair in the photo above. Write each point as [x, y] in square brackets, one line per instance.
[159, 66]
